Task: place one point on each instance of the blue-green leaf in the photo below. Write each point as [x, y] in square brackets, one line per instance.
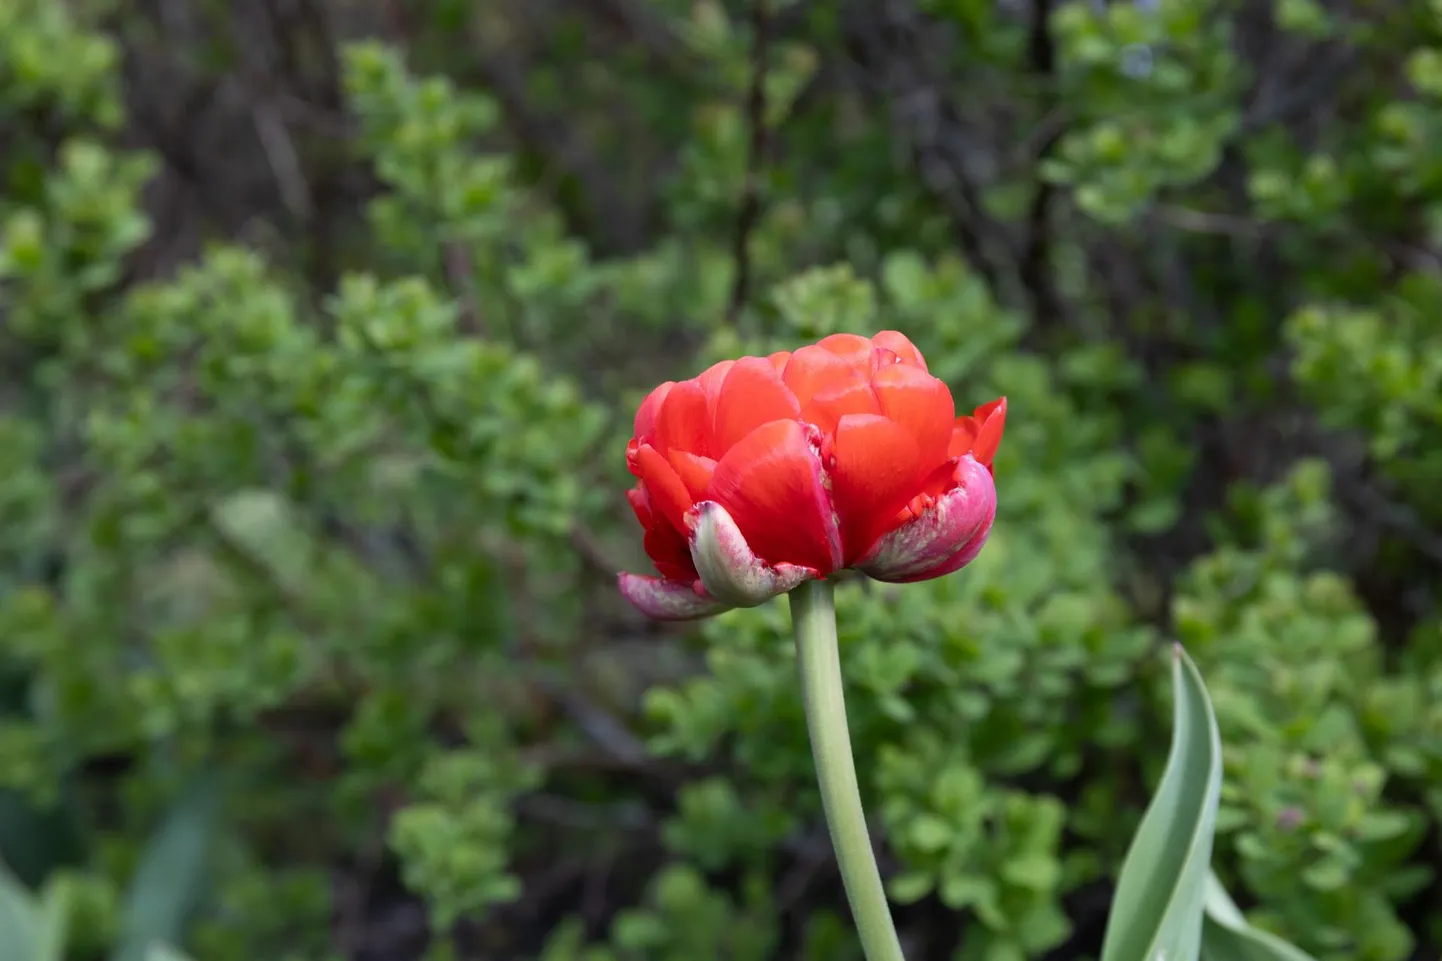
[1157, 912]
[52, 923]
[19, 918]
[1226, 936]
[171, 872]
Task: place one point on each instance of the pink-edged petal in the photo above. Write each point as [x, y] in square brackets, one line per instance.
[666, 600]
[952, 564]
[773, 485]
[729, 569]
[945, 537]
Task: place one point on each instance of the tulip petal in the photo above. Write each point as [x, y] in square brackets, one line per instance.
[710, 382]
[826, 410]
[945, 537]
[773, 485]
[963, 436]
[920, 403]
[992, 418]
[645, 424]
[694, 470]
[729, 569]
[664, 489]
[664, 544]
[874, 475]
[814, 371]
[854, 347]
[666, 600]
[682, 423]
[752, 394]
[900, 345]
[640, 504]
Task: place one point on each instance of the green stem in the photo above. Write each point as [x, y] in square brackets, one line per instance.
[813, 617]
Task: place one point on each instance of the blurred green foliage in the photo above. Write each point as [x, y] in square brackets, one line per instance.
[327, 497]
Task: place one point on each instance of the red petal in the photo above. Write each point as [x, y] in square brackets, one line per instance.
[752, 394]
[963, 435]
[825, 410]
[669, 553]
[640, 504]
[921, 404]
[682, 423]
[664, 544]
[900, 345]
[779, 360]
[664, 489]
[646, 414]
[992, 418]
[711, 380]
[771, 484]
[881, 358]
[813, 371]
[852, 346]
[695, 471]
[874, 476]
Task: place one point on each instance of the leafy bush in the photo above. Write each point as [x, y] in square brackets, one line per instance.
[315, 395]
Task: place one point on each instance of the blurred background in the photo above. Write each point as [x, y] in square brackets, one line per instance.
[322, 327]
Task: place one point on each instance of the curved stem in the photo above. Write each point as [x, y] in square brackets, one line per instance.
[813, 617]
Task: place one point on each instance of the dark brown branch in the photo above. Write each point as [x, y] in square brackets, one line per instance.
[1035, 266]
[750, 210]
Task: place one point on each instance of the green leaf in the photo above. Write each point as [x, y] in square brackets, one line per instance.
[20, 921]
[53, 923]
[1157, 912]
[1226, 936]
[160, 951]
[171, 872]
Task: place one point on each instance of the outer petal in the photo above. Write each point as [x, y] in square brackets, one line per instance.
[666, 600]
[945, 537]
[729, 569]
[772, 484]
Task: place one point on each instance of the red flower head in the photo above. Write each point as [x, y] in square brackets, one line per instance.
[765, 472]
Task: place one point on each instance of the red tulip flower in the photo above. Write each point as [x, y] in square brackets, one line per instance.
[765, 472]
